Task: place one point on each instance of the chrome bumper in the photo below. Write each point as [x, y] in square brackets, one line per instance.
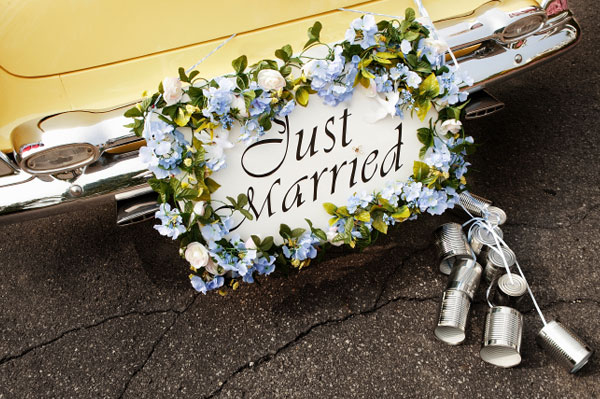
[24, 196]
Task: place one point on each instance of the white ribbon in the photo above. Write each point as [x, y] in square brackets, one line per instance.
[483, 223]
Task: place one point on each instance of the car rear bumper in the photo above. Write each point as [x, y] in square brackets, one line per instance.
[475, 42]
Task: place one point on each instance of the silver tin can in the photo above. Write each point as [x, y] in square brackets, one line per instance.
[474, 203]
[465, 277]
[452, 317]
[496, 215]
[452, 245]
[494, 265]
[510, 293]
[482, 239]
[502, 337]
[564, 346]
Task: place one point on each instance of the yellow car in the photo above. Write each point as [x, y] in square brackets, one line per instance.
[68, 70]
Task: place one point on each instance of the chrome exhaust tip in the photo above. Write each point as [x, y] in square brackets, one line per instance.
[482, 104]
[136, 206]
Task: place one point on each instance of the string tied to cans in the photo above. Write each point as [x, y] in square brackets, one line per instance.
[458, 256]
[483, 222]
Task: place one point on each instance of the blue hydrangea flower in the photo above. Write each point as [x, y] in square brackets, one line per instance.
[433, 201]
[261, 104]
[219, 98]
[411, 191]
[367, 26]
[287, 108]
[301, 249]
[171, 221]
[438, 155]
[164, 148]
[202, 286]
[357, 200]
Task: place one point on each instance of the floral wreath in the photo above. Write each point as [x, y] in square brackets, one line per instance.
[395, 60]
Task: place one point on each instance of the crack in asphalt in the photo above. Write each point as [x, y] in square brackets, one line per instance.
[155, 345]
[269, 356]
[9, 358]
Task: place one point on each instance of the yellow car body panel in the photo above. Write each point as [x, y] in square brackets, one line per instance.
[65, 55]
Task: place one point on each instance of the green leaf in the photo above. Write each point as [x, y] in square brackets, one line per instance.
[133, 112]
[240, 64]
[402, 214]
[284, 53]
[379, 224]
[182, 76]
[285, 231]
[409, 14]
[430, 87]
[247, 214]
[298, 232]
[256, 240]
[266, 244]
[330, 208]
[302, 96]
[425, 136]
[314, 33]
[411, 35]
[242, 200]
[363, 216]
[211, 184]
[285, 70]
[420, 170]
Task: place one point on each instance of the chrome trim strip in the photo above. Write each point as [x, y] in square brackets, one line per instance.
[112, 174]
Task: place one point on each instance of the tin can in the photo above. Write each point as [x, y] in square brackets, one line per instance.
[510, 293]
[564, 346]
[474, 203]
[502, 337]
[494, 263]
[452, 245]
[496, 215]
[452, 317]
[465, 277]
[482, 239]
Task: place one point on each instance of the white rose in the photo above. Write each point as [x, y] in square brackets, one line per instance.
[199, 208]
[413, 80]
[439, 46]
[331, 235]
[172, 91]
[239, 103]
[270, 79]
[451, 126]
[196, 254]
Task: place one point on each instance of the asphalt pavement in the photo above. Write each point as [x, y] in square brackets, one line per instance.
[92, 310]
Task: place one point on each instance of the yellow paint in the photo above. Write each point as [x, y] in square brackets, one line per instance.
[107, 52]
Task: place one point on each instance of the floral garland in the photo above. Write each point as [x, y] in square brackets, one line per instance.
[185, 125]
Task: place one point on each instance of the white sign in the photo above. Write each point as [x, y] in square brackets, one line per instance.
[317, 154]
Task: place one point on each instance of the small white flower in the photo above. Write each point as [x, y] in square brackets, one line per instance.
[270, 79]
[196, 254]
[387, 106]
[213, 268]
[199, 208]
[250, 243]
[451, 126]
[405, 46]
[239, 103]
[413, 80]
[172, 91]
[331, 233]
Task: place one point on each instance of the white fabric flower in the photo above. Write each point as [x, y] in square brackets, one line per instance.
[439, 46]
[250, 243]
[239, 103]
[451, 126]
[172, 91]
[270, 79]
[385, 106]
[331, 233]
[196, 254]
[213, 268]
[413, 80]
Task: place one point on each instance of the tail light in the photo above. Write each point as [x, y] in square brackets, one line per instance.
[555, 7]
